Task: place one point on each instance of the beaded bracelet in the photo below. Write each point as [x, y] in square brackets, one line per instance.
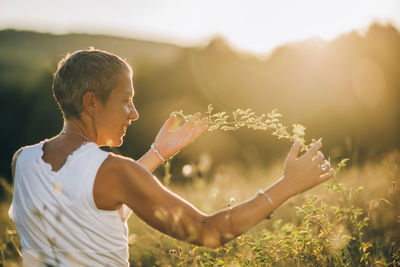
[261, 192]
[153, 147]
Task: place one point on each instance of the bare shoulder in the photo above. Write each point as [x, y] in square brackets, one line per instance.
[125, 171]
[115, 177]
[14, 160]
[119, 166]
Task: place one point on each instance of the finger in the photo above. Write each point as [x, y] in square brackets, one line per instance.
[311, 152]
[319, 158]
[198, 130]
[201, 128]
[325, 166]
[204, 121]
[169, 122]
[294, 151]
[195, 117]
[189, 125]
[326, 176]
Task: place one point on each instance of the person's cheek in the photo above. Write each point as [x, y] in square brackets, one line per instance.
[127, 109]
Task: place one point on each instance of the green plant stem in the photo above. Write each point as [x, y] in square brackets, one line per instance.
[352, 214]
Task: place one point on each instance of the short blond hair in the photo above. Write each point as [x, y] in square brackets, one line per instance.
[84, 71]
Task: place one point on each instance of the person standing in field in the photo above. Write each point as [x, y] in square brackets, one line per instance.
[72, 200]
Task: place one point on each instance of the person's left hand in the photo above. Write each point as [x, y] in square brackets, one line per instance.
[170, 142]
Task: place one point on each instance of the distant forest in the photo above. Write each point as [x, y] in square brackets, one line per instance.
[346, 91]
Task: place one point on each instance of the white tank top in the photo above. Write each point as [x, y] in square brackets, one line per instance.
[55, 214]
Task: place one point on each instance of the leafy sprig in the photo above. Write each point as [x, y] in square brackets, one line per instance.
[248, 118]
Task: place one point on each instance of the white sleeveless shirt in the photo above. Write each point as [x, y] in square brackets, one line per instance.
[55, 214]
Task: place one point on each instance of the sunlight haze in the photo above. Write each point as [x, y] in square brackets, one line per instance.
[255, 26]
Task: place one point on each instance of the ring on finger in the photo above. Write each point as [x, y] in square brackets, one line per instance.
[325, 166]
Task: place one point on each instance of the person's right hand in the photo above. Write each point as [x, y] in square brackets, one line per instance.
[305, 172]
[171, 142]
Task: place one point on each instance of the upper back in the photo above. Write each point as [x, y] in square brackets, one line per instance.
[56, 209]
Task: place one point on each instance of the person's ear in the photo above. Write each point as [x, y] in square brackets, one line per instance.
[89, 103]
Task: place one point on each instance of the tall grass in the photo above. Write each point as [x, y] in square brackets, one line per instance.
[333, 225]
[350, 221]
[353, 220]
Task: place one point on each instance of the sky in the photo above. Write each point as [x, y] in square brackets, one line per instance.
[248, 25]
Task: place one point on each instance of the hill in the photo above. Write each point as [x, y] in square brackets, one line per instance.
[346, 90]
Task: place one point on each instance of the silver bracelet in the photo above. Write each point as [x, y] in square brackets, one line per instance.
[261, 192]
[153, 147]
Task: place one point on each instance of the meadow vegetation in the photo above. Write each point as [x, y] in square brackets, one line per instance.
[352, 220]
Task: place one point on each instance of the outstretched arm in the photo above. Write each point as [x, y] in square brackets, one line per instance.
[169, 142]
[172, 215]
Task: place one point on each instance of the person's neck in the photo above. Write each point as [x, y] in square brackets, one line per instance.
[77, 127]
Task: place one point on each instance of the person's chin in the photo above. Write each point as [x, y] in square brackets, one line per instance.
[120, 141]
[116, 143]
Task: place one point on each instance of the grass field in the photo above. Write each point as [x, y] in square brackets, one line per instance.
[332, 225]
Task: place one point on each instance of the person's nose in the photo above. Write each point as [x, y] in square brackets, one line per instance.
[133, 113]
